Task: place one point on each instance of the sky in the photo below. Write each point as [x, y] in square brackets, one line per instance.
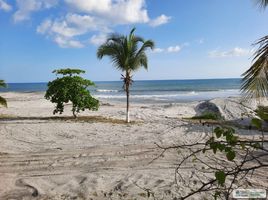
[194, 39]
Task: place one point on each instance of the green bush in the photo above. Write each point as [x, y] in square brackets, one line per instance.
[71, 88]
[2, 99]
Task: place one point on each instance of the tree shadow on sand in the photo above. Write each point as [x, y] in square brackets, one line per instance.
[88, 119]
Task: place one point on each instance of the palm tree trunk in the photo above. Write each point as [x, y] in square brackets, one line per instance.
[127, 116]
[127, 93]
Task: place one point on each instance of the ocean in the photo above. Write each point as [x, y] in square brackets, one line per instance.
[152, 90]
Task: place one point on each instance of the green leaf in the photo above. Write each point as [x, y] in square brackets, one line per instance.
[220, 177]
[231, 130]
[230, 155]
[194, 158]
[214, 147]
[256, 145]
[218, 131]
[216, 195]
[229, 137]
[221, 147]
[257, 123]
[227, 149]
[233, 140]
[68, 71]
[243, 146]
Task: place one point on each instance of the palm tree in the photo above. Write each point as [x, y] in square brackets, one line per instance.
[127, 54]
[255, 79]
[262, 3]
[2, 100]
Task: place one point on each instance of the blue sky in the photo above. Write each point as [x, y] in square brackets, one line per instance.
[194, 39]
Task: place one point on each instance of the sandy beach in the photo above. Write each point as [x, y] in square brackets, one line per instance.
[100, 157]
[133, 100]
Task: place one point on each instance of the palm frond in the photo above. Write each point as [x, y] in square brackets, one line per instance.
[262, 3]
[255, 79]
[140, 57]
[132, 31]
[115, 37]
[127, 53]
[3, 101]
[143, 60]
[147, 44]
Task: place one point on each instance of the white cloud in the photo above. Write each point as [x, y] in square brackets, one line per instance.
[158, 50]
[98, 39]
[64, 30]
[162, 19]
[116, 12]
[90, 5]
[73, 25]
[5, 6]
[44, 27]
[201, 41]
[173, 49]
[26, 7]
[185, 44]
[235, 52]
[67, 42]
[86, 18]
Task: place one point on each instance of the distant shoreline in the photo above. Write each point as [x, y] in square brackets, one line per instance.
[149, 80]
[154, 91]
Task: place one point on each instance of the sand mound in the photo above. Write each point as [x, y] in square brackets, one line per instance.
[230, 109]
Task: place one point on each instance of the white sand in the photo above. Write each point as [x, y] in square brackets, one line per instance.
[66, 159]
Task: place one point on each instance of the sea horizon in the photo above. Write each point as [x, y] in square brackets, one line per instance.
[135, 80]
[153, 91]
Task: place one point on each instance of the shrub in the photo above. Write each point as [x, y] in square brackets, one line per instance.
[2, 99]
[71, 88]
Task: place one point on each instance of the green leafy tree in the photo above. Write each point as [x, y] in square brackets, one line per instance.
[70, 87]
[255, 79]
[3, 100]
[127, 54]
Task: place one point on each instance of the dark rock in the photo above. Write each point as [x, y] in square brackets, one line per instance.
[208, 107]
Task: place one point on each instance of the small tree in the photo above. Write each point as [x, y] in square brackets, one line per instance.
[71, 88]
[3, 100]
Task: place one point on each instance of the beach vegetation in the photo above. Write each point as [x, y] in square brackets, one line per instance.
[3, 101]
[70, 87]
[225, 158]
[255, 79]
[128, 54]
[262, 113]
